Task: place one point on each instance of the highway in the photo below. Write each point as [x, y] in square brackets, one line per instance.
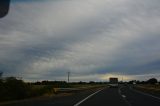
[122, 96]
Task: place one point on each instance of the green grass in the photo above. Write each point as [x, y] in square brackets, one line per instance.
[149, 86]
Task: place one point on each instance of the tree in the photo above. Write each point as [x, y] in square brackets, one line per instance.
[17, 89]
[1, 78]
[152, 81]
[91, 82]
[1, 74]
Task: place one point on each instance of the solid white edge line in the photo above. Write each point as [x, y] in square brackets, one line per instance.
[145, 93]
[77, 104]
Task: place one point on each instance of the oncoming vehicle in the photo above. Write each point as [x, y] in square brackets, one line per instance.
[113, 82]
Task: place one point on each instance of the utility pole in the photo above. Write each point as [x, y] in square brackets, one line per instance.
[122, 78]
[68, 76]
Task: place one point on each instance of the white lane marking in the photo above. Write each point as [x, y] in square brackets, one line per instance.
[123, 96]
[119, 91]
[77, 104]
[145, 93]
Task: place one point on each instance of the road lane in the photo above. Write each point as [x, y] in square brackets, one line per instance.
[135, 98]
[106, 97]
[68, 100]
[122, 96]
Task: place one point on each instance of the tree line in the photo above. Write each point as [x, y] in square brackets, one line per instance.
[150, 81]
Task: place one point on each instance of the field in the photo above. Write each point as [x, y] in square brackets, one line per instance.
[149, 88]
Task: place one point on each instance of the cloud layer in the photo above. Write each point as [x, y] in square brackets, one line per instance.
[92, 39]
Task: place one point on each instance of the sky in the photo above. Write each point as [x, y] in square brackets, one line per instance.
[91, 39]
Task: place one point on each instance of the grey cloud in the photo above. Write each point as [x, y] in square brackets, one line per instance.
[85, 37]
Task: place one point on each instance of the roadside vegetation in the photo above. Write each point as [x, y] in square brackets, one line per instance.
[151, 86]
[12, 88]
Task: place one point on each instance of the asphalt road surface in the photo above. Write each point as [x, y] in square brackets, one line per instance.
[122, 96]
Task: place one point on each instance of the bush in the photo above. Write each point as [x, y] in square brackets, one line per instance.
[41, 90]
[13, 88]
[152, 81]
[2, 90]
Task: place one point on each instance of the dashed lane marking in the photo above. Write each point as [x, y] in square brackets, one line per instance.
[123, 96]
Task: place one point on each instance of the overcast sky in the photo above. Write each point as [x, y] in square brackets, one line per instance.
[92, 39]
